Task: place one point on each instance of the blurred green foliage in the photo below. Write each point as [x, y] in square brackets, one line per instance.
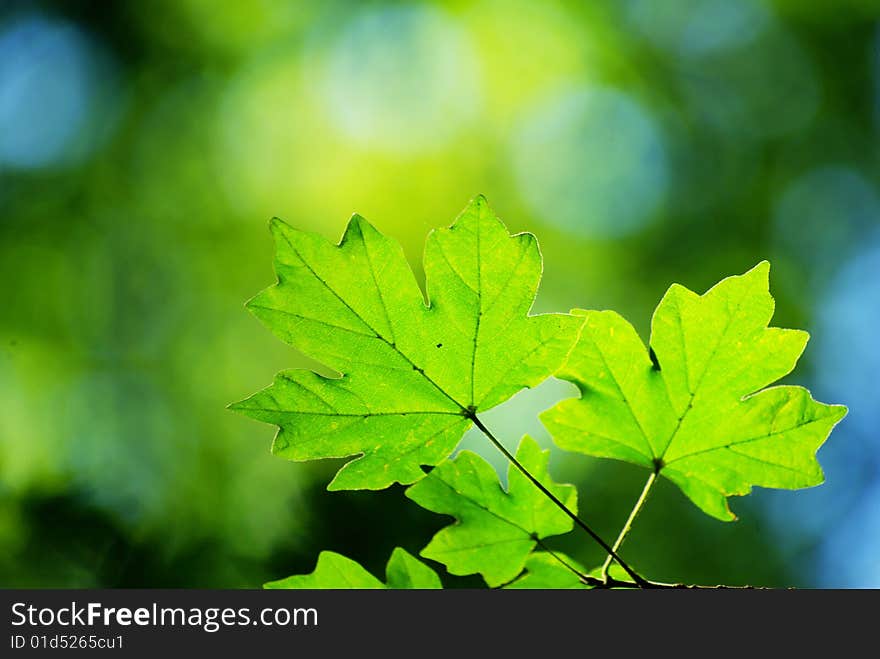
[145, 145]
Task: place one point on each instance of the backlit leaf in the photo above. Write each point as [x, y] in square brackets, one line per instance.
[695, 406]
[411, 372]
[496, 529]
[337, 571]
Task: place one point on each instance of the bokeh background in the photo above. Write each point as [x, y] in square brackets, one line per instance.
[144, 146]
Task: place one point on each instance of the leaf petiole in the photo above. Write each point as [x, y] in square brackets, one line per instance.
[585, 578]
[643, 497]
[640, 581]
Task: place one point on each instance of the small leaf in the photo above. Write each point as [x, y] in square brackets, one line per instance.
[496, 530]
[614, 571]
[405, 571]
[335, 571]
[544, 570]
[694, 407]
[411, 374]
[332, 571]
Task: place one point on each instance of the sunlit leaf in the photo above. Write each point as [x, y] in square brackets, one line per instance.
[694, 407]
[411, 373]
[496, 529]
[335, 571]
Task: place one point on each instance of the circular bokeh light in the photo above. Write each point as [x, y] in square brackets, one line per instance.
[592, 162]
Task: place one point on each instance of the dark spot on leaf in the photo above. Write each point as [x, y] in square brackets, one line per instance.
[439, 345]
[654, 361]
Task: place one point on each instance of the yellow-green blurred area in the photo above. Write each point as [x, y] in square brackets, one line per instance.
[145, 145]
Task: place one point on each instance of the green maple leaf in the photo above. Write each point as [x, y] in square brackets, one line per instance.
[337, 571]
[412, 374]
[545, 570]
[695, 408]
[496, 530]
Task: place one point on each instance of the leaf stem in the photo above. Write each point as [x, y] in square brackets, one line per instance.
[641, 582]
[643, 497]
[657, 585]
[585, 578]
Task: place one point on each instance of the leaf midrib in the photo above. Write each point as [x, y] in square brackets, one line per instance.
[746, 441]
[390, 344]
[693, 393]
[479, 316]
[482, 507]
[627, 404]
